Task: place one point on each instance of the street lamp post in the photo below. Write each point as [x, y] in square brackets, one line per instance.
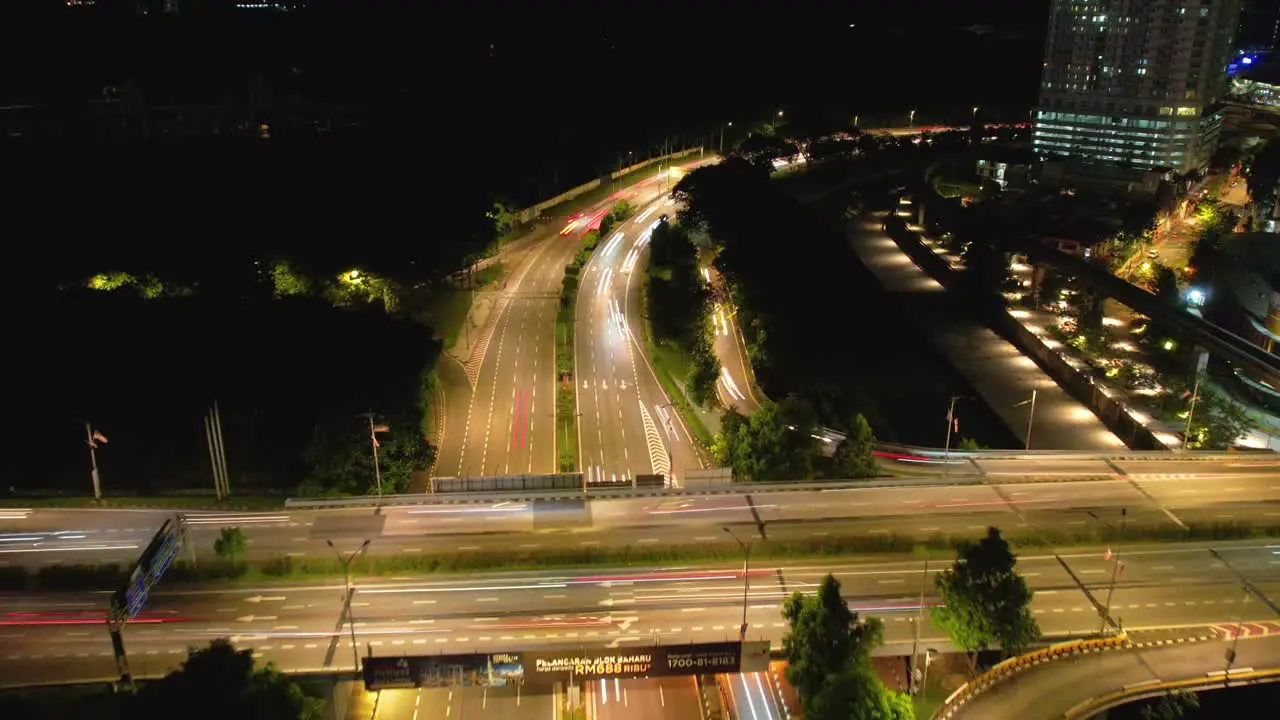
[911, 118]
[722, 127]
[1031, 417]
[915, 642]
[746, 577]
[346, 583]
[974, 116]
[1115, 571]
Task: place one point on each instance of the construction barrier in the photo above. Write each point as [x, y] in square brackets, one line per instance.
[967, 692]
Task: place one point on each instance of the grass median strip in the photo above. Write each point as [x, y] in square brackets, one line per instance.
[292, 568]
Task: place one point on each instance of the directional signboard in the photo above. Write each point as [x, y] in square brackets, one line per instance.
[151, 565]
[545, 667]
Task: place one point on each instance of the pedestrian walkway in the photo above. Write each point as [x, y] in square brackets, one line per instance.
[995, 369]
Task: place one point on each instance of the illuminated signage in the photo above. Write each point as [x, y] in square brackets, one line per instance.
[581, 664]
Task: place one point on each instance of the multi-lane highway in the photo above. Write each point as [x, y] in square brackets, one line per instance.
[303, 625]
[626, 425]
[499, 414]
[469, 703]
[1204, 492]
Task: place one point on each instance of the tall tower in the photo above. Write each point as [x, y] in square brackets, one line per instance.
[1135, 82]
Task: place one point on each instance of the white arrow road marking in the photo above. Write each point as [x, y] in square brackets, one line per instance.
[259, 598]
[658, 458]
[251, 618]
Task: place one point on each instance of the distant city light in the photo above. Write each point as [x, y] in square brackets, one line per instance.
[1246, 60]
[1196, 297]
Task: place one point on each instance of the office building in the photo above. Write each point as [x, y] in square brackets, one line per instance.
[1135, 82]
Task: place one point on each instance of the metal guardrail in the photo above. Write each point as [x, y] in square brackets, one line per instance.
[623, 493]
[1151, 455]
[1093, 706]
[1003, 671]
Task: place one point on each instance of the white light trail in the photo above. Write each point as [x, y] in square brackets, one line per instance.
[730, 386]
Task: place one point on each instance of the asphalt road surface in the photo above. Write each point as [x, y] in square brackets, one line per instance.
[500, 420]
[673, 698]
[305, 626]
[626, 426]
[735, 388]
[1050, 690]
[1203, 492]
[465, 703]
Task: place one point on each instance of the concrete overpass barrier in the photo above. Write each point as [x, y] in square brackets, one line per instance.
[621, 493]
[1007, 669]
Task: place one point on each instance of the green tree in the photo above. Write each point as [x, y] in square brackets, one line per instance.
[854, 456]
[828, 650]
[985, 602]
[703, 371]
[768, 448]
[340, 455]
[725, 446]
[224, 683]
[230, 543]
[287, 282]
[504, 219]
[1217, 422]
[1174, 705]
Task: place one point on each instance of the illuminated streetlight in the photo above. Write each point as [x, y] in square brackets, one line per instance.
[746, 576]
[911, 118]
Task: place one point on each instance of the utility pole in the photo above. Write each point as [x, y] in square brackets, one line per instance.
[746, 578]
[346, 584]
[94, 438]
[373, 440]
[951, 422]
[213, 457]
[219, 450]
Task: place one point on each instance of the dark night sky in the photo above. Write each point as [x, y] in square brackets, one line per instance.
[469, 101]
[542, 79]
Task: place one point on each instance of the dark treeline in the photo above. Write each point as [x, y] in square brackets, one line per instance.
[291, 378]
[818, 325]
[203, 212]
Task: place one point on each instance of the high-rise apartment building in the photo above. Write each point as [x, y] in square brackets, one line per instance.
[1135, 82]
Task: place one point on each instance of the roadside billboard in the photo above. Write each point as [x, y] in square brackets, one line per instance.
[549, 666]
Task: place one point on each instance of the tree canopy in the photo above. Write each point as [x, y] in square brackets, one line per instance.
[828, 650]
[985, 602]
[765, 447]
[222, 682]
[854, 456]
